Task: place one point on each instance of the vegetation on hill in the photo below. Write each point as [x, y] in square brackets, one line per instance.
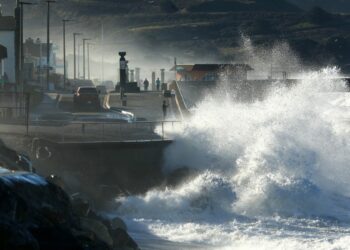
[341, 6]
[193, 30]
[252, 6]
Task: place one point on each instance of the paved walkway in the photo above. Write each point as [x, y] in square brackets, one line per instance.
[48, 104]
[146, 105]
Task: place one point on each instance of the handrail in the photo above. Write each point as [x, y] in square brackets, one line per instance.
[105, 122]
[107, 131]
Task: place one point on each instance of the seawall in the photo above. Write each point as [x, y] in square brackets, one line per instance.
[130, 166]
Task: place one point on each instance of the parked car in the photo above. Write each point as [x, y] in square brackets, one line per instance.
[128, 116]
[86, 97]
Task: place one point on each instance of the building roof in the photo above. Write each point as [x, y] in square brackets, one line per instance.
[182, 67]
[7, 23]
[3, 52]
[210, 67]
[32, 48]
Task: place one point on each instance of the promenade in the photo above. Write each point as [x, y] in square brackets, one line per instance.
[147, 106]
[63, 124]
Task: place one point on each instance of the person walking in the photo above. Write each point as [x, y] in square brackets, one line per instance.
[158, 84]
[146, 84]
[165, 107]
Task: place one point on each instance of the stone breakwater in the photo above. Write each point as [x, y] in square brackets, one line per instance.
[36, 213]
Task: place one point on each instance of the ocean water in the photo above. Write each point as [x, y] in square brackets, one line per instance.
[272, 173]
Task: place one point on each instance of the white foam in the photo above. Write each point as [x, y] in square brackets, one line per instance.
[274, 174]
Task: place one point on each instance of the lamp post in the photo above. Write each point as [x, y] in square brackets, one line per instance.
[17, 45]
[75, 54]
[64, 21]
[22, 45]
[48, 44]
[88, 58]
[79, 57]
[84, 41]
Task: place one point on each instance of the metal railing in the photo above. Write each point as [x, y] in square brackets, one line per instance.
[14, 108]
[105, 131]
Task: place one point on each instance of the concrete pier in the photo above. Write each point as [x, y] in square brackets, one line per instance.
[147, 106]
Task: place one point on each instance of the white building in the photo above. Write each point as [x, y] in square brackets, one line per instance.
[7, 40]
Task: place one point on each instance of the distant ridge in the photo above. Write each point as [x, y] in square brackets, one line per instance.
[250, 6]
[341, 6]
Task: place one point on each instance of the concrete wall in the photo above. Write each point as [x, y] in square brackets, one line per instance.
[7, 39]
[134, 166]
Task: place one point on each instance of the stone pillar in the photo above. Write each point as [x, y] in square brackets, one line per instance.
[153, 80]
[162, 76]
[132, 76]
[137, 75]
[127, 72]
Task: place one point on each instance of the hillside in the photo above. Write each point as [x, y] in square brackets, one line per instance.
[341, 6]
[249, 6]
[154, 34]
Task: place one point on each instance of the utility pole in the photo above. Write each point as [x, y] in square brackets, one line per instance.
[75, 54]
[17, 45]
[21, 74]
[88, 58]
[84, 40]
[102, 53]
[64, 21]
[79, 46]
[48, 44]
[175, 66]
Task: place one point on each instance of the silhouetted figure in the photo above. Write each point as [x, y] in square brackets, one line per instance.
[158, 84]
[146, 84]
[165, 109]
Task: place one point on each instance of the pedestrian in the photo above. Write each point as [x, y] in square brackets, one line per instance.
[146, 84]
[165, 107]
[158, 84]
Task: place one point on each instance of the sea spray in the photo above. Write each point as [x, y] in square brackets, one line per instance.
[272, 173]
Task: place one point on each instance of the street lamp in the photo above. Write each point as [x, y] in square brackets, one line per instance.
[79, 46]
[22, 45]
[64, 21]
[48, 44]
[84, 40]
[75, 57]
[88, 57]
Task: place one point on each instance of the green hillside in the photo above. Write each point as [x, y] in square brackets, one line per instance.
[249, 6]
[340, 6]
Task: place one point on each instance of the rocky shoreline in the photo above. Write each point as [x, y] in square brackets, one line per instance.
[37, 213]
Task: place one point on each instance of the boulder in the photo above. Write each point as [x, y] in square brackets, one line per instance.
[116, 223]
[13, 236]
[42, 214]
[98, 228]
[122, 240]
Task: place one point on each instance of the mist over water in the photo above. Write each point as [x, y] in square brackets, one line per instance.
[272, 173]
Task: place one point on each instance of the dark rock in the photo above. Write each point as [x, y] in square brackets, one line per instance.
[44, 213]
[122, 240]
[13, 236]
[116, 223]
[98, 228]
[55, 238]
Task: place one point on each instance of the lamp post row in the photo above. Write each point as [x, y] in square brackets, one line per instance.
[21, 50]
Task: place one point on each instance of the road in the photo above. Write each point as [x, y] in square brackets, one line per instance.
[147, 106]
[63, 124]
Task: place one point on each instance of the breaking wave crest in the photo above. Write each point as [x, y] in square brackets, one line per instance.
[286, 156]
